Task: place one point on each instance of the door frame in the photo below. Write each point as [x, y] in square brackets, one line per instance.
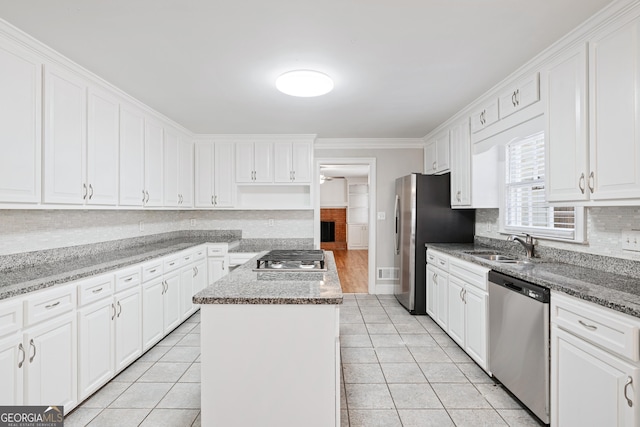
[371, 162]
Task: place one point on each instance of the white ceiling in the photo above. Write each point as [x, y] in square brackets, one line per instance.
[401, 67]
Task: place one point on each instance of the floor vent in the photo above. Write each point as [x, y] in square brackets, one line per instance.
[387, 273]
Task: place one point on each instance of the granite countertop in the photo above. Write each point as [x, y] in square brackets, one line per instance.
[615, 291]
[40, 275]
[242, 286]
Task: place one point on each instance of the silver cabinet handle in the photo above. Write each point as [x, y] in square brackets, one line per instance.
[52, 305]
[435, 278]
[194, 272]
[581, 183]
[24, 355]
[464, 296]
[513, 98]
[152, 271]
[461, 297]
[84, 196]
[458, 194]
[90, 191]
[143, 196]
[147, 201]
[113, 307]
[32, 345]
[517, 97]
[223, 264]
[95, 291]
[626, 396]
[215, 198]
[128, 279]
[588, 326]
[434, 165]
[119, 309]
[294, 175]
[592, 182]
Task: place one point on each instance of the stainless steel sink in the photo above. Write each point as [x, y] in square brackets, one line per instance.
[497, 257]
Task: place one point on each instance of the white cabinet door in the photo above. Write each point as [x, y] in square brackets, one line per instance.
[263, 162]
[128, 327]
[461, 164]
[244, 162]
[131, 157]
[152, 312]
[614, 110]
[282, 162]
[476, 325]
[153, 174]
[20, 121]
[187, 275]
[200, 278]
[204, 174]
[589, 386]
[485, 117]
[52, 363]
[95, 346]
[456, 308]
[223, 175]
[521, 95]
[171, 192]
[172, 305]
[65, 138]
[442, 299]
[442, 152]
[432, 292]
[12, 366]
[301, 161]
[185, 172]
[430, 158]
[217, 267]
[102, 148]
[564, 82]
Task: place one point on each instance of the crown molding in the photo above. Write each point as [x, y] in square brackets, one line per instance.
[307, 137]
[368, 143]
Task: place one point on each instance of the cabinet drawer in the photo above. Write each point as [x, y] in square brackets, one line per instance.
[216, 250]
[10, 316]
[199, 253]
[470, 273]
[172, 262]
[50, 303]
[438, 259]
[187, 257]
[95, 288]
[613, 331]
[151, 269]
[128, 278]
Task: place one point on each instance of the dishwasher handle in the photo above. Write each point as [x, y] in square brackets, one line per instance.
[530, 290]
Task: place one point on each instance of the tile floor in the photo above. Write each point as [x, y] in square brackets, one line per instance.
[397, 369]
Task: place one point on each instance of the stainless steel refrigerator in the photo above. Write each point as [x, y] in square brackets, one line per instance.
[423, 214]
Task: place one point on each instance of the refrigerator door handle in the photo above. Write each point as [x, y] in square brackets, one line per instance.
[397, 216]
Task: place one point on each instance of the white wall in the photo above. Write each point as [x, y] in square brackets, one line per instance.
[333, 194]
[604, 228]
[31, 230]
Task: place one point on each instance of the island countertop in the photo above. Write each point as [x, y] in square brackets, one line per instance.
[242, 286]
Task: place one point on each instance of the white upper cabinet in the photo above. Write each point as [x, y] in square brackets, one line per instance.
[484, 117]
[185, 171]
[132, 192]
[214, 174]
[20, 121]
[436, 151]
[65, 138]
[460, 164]
[153, 177]
[171, 196]
[614, 112]
[564, 83]
[292, 161]
[102, 148]
[521, 95]
[254, 162]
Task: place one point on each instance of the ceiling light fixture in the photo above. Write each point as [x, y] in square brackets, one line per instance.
[304, 83]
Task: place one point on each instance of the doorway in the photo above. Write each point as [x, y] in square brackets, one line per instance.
[344, 219]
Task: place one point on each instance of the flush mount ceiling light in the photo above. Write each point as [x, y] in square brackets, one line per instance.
[304, 83]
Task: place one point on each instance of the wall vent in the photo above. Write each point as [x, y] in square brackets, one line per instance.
[387, 273]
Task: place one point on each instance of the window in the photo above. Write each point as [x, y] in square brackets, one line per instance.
[525, 206]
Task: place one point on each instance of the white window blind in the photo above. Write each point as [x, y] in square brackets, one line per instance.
[526, 209]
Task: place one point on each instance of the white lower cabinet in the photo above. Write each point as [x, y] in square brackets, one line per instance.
[358, 236]
[51, 359]
[172, 313]
[595, 369]
[457, 300]
[12, 367]
[152, 312]
[128, 327]
[95, 337]
[187, 276]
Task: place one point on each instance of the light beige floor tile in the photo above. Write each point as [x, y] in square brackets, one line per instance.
[410, 328]
[443, 373]
[353, 329]
[376, 318]
[81, 416]
[344, 418]
[189, 340]
[518, 418]
[460, 396]
[368, 396]
[171, 340]
[142, 395]
[154, 354]
[133, 372]
[387, 340]
[457, 354]
[394, 355]
[358, 355]
[106, 395]
[374, 418]
[362, 373]
[119, 417]
[197, 421]
[381, 328]
[418, 340]
[475, 373]
[181, 354]
[497, 396]
[355, 341]
[429, 354]
[192, 375]
[414, 396]
[164, 372]
[476, 418]
[182, 395]
[170, 418]
[403, 373]
[425, 418]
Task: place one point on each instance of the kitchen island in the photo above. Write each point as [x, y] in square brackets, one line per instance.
[270, 348]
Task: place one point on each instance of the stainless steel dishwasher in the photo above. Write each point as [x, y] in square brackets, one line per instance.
[519, 340]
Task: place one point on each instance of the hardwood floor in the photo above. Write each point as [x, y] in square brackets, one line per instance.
[353, 270]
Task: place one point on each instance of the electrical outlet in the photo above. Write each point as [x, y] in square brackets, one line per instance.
[630, 240]
[193, 222]
[271, 222]
[382, 215]
[141, 225]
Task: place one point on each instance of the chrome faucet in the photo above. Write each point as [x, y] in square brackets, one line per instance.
[528, 243]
